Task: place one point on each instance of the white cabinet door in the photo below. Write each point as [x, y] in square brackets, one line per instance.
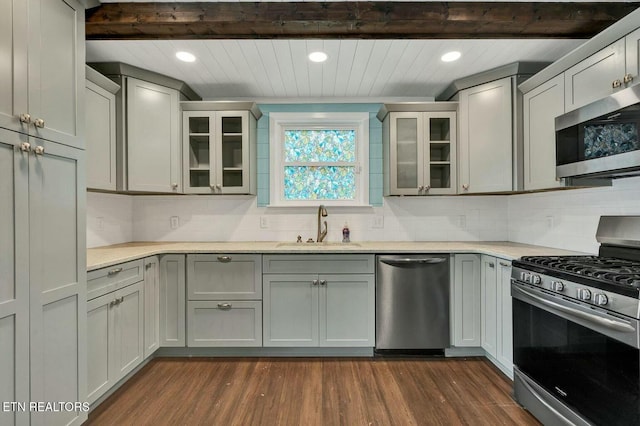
[486, 138]
[100, 112]
[347, 310]
[129, 332]
[505, 329]
[42, 68]
[153, 138]
[172, 300]
[220, 323]
[57, 275]
[14, 278]
[541, 106]
[151, 305]
[594, 77]
[290, 304]
[489, 308]
[466, 300]
[100, 341]
[632, 45]
[224, 276]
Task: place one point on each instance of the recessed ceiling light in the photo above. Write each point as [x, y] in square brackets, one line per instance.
[318, 56]
[450, 56]
[185, 56]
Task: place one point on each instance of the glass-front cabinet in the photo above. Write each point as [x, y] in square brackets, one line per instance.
[419, 148]
[219, 147]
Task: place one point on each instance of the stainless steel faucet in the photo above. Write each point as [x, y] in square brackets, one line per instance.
[322, 212]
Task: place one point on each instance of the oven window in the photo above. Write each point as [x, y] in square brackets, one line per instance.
[594, 374]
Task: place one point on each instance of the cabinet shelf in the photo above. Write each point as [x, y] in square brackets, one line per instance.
[440, 163]
[199, 134]
[199, 169]
[232, 134]
[232, 169]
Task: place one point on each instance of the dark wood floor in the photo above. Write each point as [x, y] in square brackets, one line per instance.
[303, 391]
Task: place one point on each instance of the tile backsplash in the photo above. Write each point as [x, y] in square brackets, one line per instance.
[565, 219]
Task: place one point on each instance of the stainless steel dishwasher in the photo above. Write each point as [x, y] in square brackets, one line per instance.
[412, 303]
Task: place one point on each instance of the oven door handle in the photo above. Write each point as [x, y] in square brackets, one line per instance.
[617, 325]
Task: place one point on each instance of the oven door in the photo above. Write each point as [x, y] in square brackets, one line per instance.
[587, 358]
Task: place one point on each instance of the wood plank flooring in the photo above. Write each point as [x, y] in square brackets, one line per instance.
[310, 391]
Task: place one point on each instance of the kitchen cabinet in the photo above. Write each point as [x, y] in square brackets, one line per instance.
[496, 318]
[466, 299]
[219, 147]
[419, 149]
[224, 306]
[100, 116]
[486, 138]
[632, 46]
[151, 305]
[322, 307]
[172, 301]
[115, 328]
[153, 138]
[541, 106]
[42, 47]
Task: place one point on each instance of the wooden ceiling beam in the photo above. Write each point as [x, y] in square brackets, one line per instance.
[349, 20]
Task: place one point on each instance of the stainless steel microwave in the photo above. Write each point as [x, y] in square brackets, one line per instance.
[600, 139]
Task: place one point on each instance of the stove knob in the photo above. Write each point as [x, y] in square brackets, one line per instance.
[600, 299]
[584, 294]
[536, 279]
[557, 286]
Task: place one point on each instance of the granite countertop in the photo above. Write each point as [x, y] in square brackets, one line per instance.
[101, 257]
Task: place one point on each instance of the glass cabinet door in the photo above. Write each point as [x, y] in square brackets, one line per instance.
[232, 172]
[440, 167]
[405, 132]
[199, 135]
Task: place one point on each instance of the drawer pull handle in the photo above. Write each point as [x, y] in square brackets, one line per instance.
[225, 259]
[616, 83]
[491, 265]
[504, 264]
[224, 306]
[114, 271]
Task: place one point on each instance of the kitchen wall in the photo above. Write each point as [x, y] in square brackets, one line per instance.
[109, 219]
[569, 219]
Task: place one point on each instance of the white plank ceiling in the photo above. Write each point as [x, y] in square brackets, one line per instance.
[356, 69]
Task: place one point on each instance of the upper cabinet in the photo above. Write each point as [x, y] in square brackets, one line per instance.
[541, 106]
[42, 57]
[219, 147]
[148, 144]
[486, 138]
[100, 113]
[419, 148]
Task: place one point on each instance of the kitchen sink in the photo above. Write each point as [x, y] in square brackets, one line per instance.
[316, 245]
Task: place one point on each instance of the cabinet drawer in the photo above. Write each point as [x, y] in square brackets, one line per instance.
[105, 280]
[224, 277]
[224, 323]
[319, 263]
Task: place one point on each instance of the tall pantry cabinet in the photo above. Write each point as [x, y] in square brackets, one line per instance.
[42, 208]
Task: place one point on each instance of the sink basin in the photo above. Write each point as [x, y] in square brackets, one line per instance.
[316, 245]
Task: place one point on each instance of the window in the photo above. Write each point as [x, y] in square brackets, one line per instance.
[319, 157]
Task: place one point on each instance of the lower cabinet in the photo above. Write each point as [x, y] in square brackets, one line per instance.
[224, 306]
[115, 327]
[466, 301]
[322, 308]
[172, 300]
[151, 305]
[496, 319]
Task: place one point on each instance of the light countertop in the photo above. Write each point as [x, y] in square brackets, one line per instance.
[101, 257]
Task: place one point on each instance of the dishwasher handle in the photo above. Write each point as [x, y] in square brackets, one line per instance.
[409, 261]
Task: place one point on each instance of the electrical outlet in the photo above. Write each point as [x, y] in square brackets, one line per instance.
[378, 221]
[100, 224]
[462, 221]
[551, 222]
[174, 222]
[264, 222]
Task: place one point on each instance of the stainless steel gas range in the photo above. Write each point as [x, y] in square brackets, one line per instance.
[576, 331]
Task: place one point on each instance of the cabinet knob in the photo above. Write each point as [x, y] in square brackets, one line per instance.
[218, 186]
[212, 187]
[314, 282]
[25, 147]
[616, 83]
[225, 306]
[628, 78]
[428, 187]
[38, 122]
[491, 265]
[465, 187]
[323, 282]
[39, 150]
[224, 259]
[25, 118]
[420, 188]
[174, 185]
